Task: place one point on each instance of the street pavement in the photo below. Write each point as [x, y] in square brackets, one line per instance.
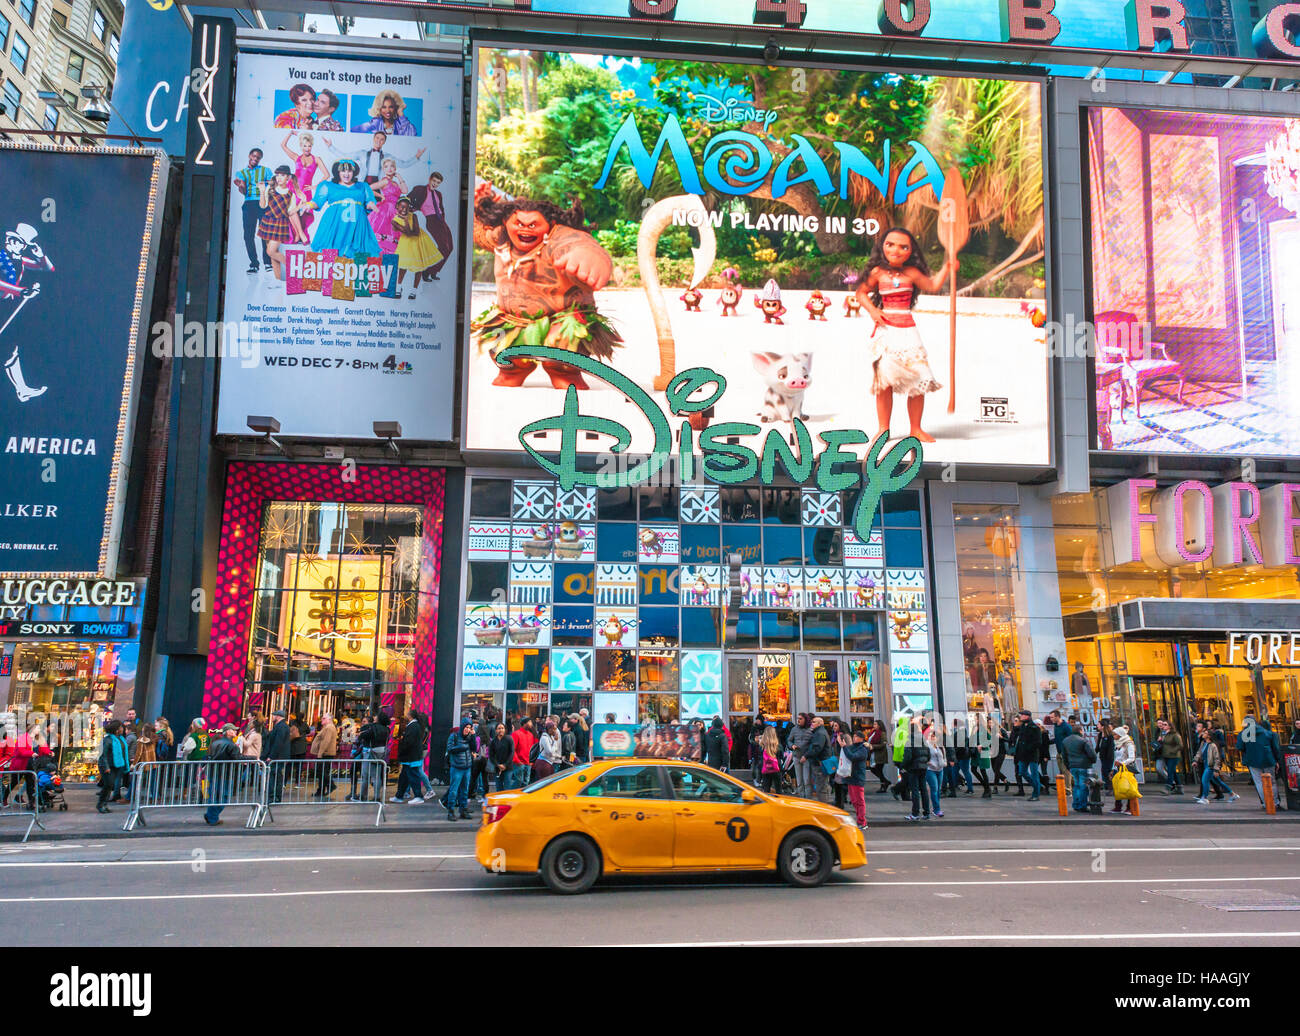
[1116, 884]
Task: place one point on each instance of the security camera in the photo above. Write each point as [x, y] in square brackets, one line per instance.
[771, 52]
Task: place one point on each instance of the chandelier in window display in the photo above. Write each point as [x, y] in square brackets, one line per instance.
[1282, 171]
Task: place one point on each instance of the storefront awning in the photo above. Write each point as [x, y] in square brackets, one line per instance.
[1211, 617]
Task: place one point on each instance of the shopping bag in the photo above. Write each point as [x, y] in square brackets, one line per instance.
[1125, 784]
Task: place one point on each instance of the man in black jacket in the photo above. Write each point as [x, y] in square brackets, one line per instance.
[916, 759]
[1029, 745]
[715, 746]
[222, 754]
[276, 746]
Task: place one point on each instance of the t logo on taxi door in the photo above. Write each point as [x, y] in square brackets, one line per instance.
[737, 829]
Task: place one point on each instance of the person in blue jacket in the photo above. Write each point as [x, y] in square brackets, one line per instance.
[1261, 751]
[114, 765]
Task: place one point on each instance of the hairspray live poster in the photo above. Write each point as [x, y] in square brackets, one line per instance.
[843, 251]
[342, 245]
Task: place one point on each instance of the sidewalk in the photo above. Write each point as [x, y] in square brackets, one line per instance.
[82, 823]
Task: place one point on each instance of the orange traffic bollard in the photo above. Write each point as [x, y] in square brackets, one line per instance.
[1270, 804]
[1060, 794]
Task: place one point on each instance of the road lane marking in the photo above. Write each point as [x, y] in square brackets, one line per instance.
[995, 937]
[613, 889]
[189, 860]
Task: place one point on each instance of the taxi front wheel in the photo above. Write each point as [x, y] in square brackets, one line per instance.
[805, 859]
[570, 865]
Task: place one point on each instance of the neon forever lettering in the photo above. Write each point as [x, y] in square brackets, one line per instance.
[738, 163]
[832, 470]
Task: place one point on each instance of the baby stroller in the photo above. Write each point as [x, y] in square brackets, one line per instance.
[49, 782]
[789, 781]
[50, 788]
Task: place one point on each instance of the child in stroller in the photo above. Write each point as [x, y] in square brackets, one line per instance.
[49, 781]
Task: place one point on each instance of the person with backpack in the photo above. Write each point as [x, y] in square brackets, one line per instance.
[460, 760]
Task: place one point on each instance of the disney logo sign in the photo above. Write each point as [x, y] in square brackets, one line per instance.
[733, 109]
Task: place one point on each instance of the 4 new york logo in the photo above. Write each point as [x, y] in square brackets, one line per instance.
[335, 276]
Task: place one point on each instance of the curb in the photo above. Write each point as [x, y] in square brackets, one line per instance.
[444, 829]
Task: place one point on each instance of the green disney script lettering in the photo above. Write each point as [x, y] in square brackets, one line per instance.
[832, 470]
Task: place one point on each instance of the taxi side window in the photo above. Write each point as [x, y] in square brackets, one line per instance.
[626, 782]
[702, 786]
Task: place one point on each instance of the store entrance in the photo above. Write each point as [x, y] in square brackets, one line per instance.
[1159, 697]
[756, 683]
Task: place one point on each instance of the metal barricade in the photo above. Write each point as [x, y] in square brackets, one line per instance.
[323, 782]
[200, 784]
[25, 782]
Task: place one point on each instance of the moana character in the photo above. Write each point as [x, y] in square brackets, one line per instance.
[548, 270]
[852, 307]
[770, 303]
[902, 623]
[896, 274]
[568, 541]
[729, 300]
[692, 297]
[817, 305]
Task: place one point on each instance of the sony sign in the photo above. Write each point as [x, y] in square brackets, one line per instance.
[1232, 524]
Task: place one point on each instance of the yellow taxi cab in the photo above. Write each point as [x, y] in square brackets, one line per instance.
[648, 816]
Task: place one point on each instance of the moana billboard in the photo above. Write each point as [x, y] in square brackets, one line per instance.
[827, 256]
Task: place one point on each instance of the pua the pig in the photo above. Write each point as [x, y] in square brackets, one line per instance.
[787, 378]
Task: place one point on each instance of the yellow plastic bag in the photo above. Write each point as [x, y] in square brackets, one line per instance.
[1125, 784]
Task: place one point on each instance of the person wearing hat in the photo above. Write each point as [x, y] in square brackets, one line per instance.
[223, 754]
[276, 746]
[20, 254]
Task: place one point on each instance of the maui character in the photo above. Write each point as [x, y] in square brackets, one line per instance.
[729, 300]
[548, 270]
[692, 297]
[770, 303]
[852, 307]
[817, 305]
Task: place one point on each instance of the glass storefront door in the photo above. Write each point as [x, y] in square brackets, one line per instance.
[1156, 698]
[838, 686]
[756, 683]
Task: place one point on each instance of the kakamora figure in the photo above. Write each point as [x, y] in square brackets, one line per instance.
[548, 270]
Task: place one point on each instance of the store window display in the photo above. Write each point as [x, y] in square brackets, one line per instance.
[336, 606]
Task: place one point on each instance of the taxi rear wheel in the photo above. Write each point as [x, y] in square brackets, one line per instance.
[570, 865]
[805, 859]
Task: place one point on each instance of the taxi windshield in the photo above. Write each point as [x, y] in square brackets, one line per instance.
[558, 775]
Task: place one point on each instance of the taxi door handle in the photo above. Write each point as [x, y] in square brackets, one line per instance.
[686, 812]
[592, 809]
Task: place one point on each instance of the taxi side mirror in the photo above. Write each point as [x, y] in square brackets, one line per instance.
[748, 798]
